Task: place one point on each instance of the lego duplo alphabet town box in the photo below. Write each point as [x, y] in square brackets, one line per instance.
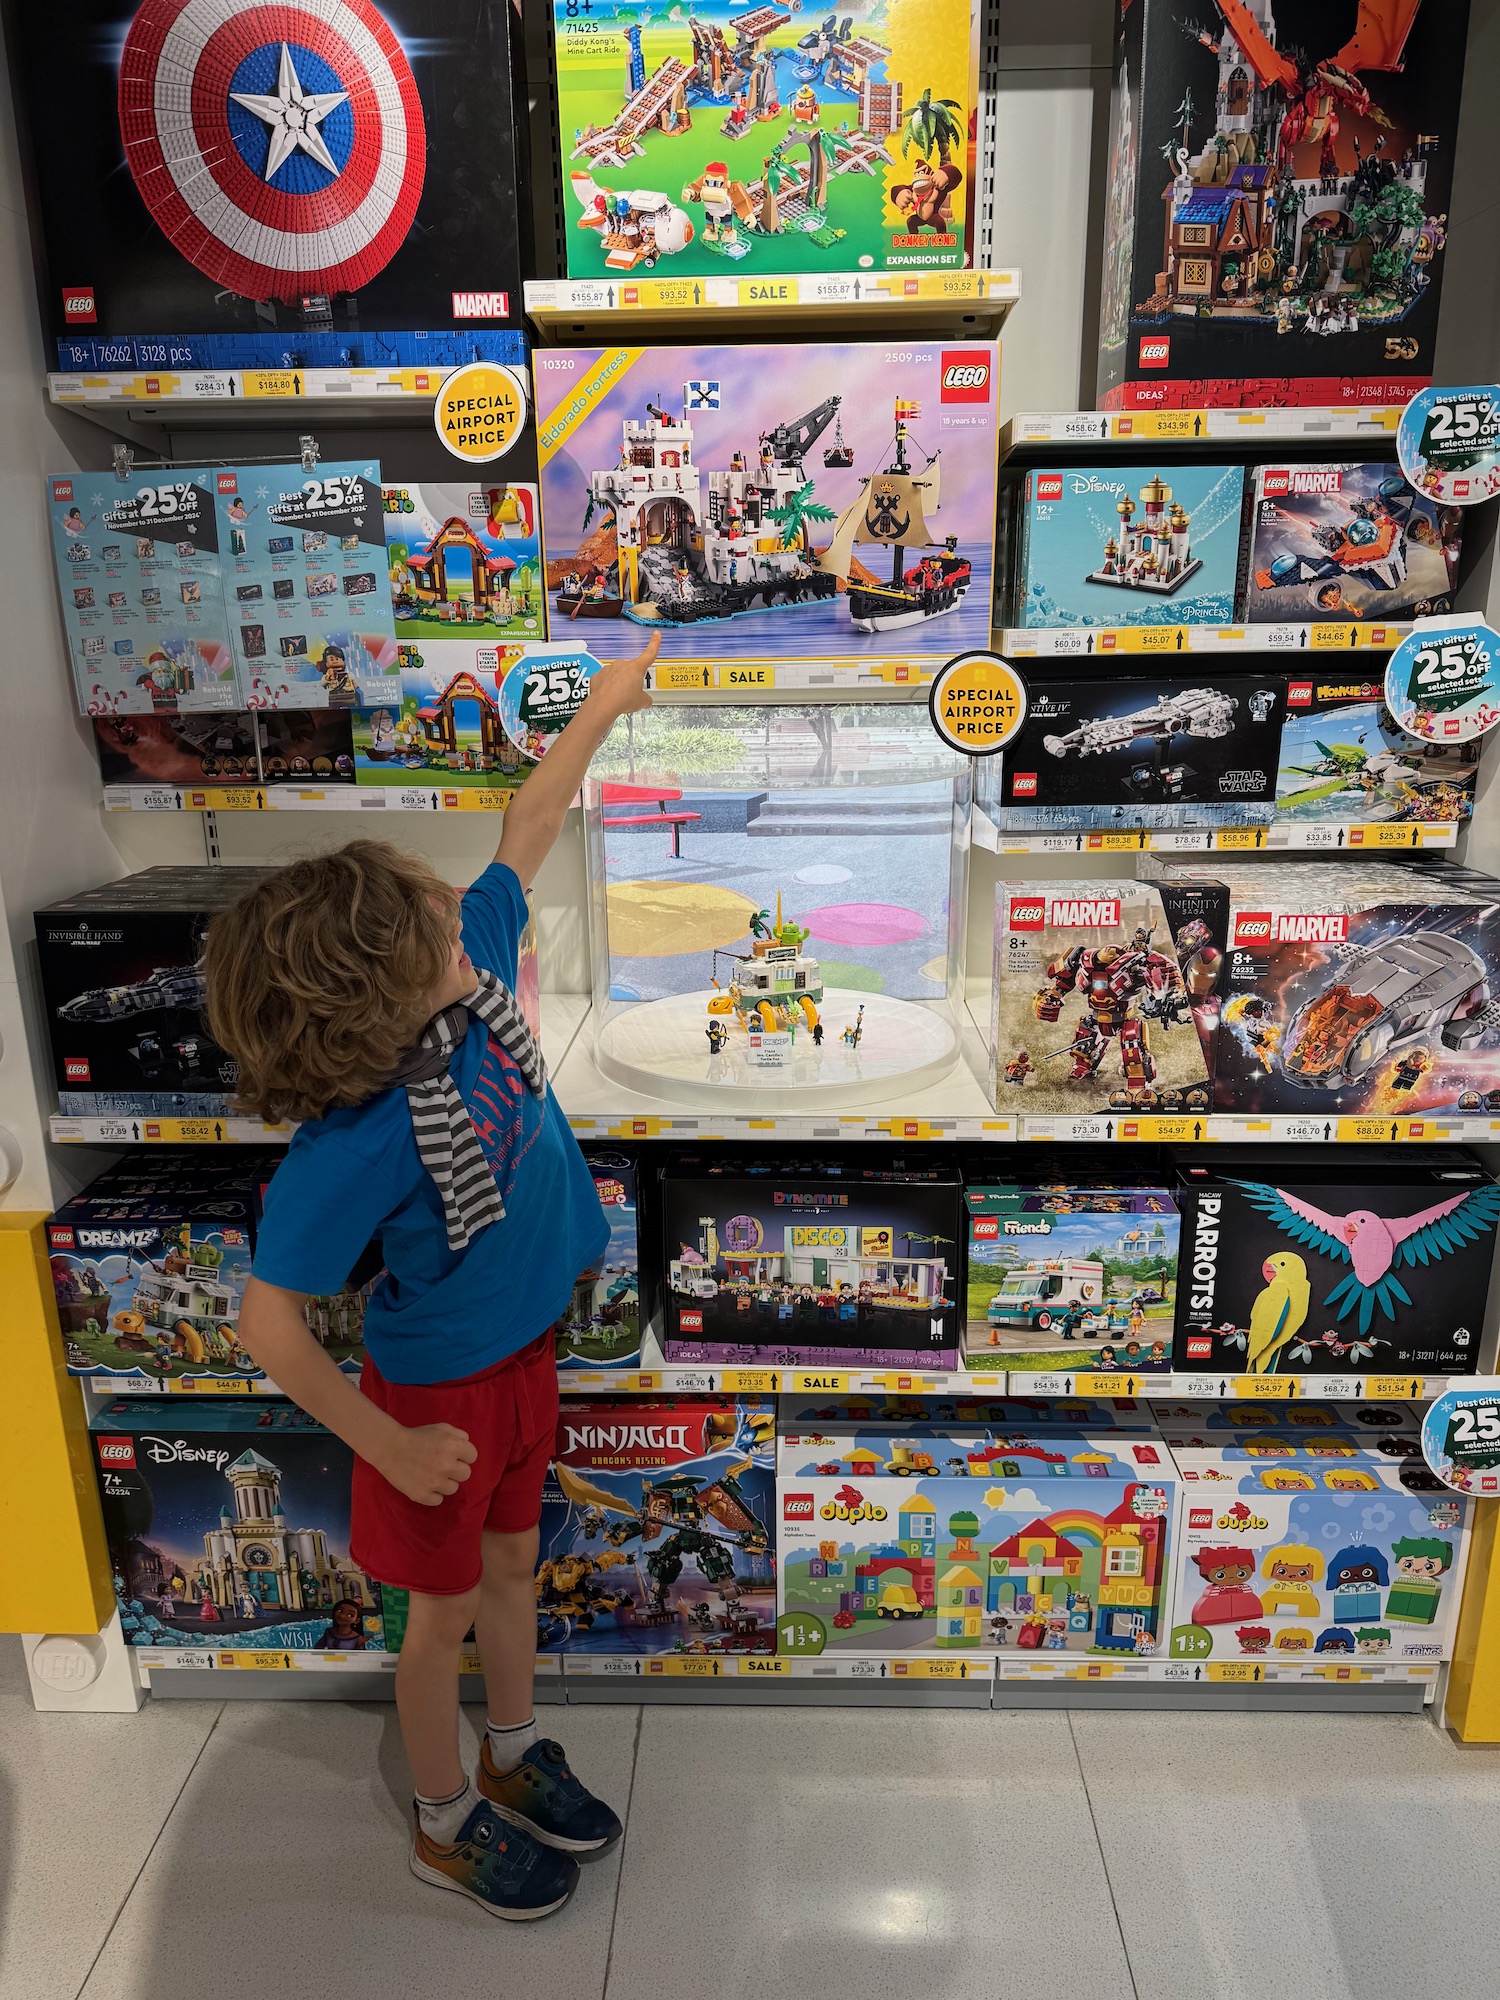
[1076, 1564]
[1285, 1557]
[657, 1527]
[1279, 182]
[228, 1527]
[752, 141]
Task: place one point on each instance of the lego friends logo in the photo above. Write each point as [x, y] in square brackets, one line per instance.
[966, 376]
[1302, 928]
[796, 1507]
[62, 489]
[1252, 927]
[79, 308]
[1027, 913]
[1155, 350]
[849, 1504]
[481, 305]
[117, 1454]
[1084, 913]
[1049, 486]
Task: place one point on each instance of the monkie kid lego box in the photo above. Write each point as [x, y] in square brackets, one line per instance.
[759, 140]
[602, 1326]
[1278, 197]
[1349, 540]
[1344, 759]
[658, 1526]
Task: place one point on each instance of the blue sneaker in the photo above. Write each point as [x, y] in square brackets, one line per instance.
[542, 1796]
[498, 1865]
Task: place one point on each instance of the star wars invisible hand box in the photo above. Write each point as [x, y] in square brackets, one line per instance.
[1361, 1265]
[240, 187]
[781, 142]
[1344, 759]
[1108, 545]
[657, 1530]
[228, 1527]
[1346, 541]
[122, 985]
[1278, 199]
[1285, 1557]
[1081, 1278]
[818, 1264]
[602, 1327]
[1103, 997]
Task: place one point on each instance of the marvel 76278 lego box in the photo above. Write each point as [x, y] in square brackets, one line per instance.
[756, 138]
[1278, 200]
[764, 504]
[1343, 541]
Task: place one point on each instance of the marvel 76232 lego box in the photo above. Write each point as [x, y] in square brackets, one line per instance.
[728, 137]
[1278, 200]
[764, 504]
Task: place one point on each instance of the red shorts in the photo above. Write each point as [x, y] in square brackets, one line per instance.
[509, 1414]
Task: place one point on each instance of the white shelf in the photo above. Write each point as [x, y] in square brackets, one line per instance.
[1030, 428]
[1159, 642]
[1321, 837]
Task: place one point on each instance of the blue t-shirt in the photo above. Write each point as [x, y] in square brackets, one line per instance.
[437, 1314]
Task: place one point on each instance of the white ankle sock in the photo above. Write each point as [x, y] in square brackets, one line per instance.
[509, 1746]
[442, 1818]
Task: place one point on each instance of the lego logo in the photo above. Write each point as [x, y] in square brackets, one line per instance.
[228, 482]
[62, 489]
[78, 305]
[60, 1239]
[1023, 784]
[1027, 914]
[481, 305]
[797, 1507]
[1299, 694]
[76, 1069]
[1200, 1347]
[1461, 489]
[117, 1451]
[1253, 928]
[1049, 486]
[1200, 1517]
[1274, 484]
[965, 377]
[1155, 350]
[690, 1320]
[986, 1227]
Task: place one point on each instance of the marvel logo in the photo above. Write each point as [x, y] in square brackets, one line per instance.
[796, 1507]
[481, 305]
[1299, 694]
[690, 1320]
[1200, 1347]
[116, 1452]
[76, 1069]
[78, 305]
[1027, 913]
[965, 377]
[1252, 927]
[1275, 484]
[1155, 350]
[1023, 784]
[228, 483]
[1200, 1517]
[60, 1239]
[985, 1227]
[1049, 486]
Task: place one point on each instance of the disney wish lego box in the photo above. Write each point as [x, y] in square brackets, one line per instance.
[602, 1326]
[228, 1527]
[1277, 206]
[657, 1527]
[763, 506]
[1104, 997]
[1345, 759]
[1348, 540]
[1110, 545]
[321, 186]
[784, 142]
[1360, 1265]
[1070, 1278]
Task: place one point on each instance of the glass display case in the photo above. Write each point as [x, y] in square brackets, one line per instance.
[777, 905]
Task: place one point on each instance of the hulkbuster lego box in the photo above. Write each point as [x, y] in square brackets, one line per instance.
[658, 1526]
[1347, 540]
[818, 1264]
[1070, 1564]
[1082, 1279]
[1278, 1558]
[122, 986]
[1103, 998]
[776, 143]
[1360, 1265]
[1345, 759]
[1108, 545]
[1206, 741]
[328, 184]
[1354, 988]
[1277, 204]
[602, 1326]
[757, 505]
[228, 1528]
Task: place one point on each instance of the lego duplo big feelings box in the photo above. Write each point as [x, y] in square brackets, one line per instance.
[759, 140]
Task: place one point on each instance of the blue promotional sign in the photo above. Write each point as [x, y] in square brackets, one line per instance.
[541, 693]
[1448, 443]
[1461, 1440]
[1442, 683]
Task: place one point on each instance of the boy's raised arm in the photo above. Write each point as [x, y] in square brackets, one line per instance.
[535, 816]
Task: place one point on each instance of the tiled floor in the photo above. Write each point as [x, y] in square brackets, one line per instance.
[198, 1850]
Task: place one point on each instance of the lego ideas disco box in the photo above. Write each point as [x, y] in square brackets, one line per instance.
[1278, 197]
[329, 183]
[757, 140]
[756, 505]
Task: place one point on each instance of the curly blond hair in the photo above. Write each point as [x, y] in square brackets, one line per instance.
[318, 979]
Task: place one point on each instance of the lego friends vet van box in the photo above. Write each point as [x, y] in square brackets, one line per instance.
[228, 1528]
[1079, 1278]
[1210, 740]
[757, 140]
[759, 505]
[1345, 759]
[1279, 187]
[1066, 1565]
[1109, 545]
[1339, 1270]
[1357, 1557]
[1349, 540]
[657, 1527]
[602, 1327]
[327, 185]
[1103, 996]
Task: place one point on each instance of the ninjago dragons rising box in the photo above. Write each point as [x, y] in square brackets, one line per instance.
[330, 183]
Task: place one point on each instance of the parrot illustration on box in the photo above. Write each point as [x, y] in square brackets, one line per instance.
[1278, 1311]
[1377, 1245]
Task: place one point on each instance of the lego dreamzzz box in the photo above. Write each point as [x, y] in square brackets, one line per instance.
[1277, 203]
[1346, 540]
[763, 504]
[657, 1529]
[1213, 739]
[1354, 1266]
[320, 185]
[228, 1527]
[1104, 997]
[1345, 759]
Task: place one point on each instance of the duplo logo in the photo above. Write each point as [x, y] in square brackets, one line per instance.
[849, 1504]
[1241, 1518]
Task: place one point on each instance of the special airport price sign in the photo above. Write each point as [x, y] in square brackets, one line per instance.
[1461, 1439]
[480, 411]
[1442, 683]
[1448, 443]
[978, 703]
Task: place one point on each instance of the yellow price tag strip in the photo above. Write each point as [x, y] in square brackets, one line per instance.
[939, 1670]
[1095, 1383]
[1265, 1388]
[750, 1381]
[1394, 1388]
[751, 1663]
[691, 1667]
[817, 1380]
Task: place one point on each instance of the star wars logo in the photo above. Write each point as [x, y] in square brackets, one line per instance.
[849, 1504]
[1203, 1275]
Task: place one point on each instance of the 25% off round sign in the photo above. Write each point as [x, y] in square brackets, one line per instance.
[978, 703]
[480, 411]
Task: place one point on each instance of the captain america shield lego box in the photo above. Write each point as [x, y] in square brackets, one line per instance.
[319, 183]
